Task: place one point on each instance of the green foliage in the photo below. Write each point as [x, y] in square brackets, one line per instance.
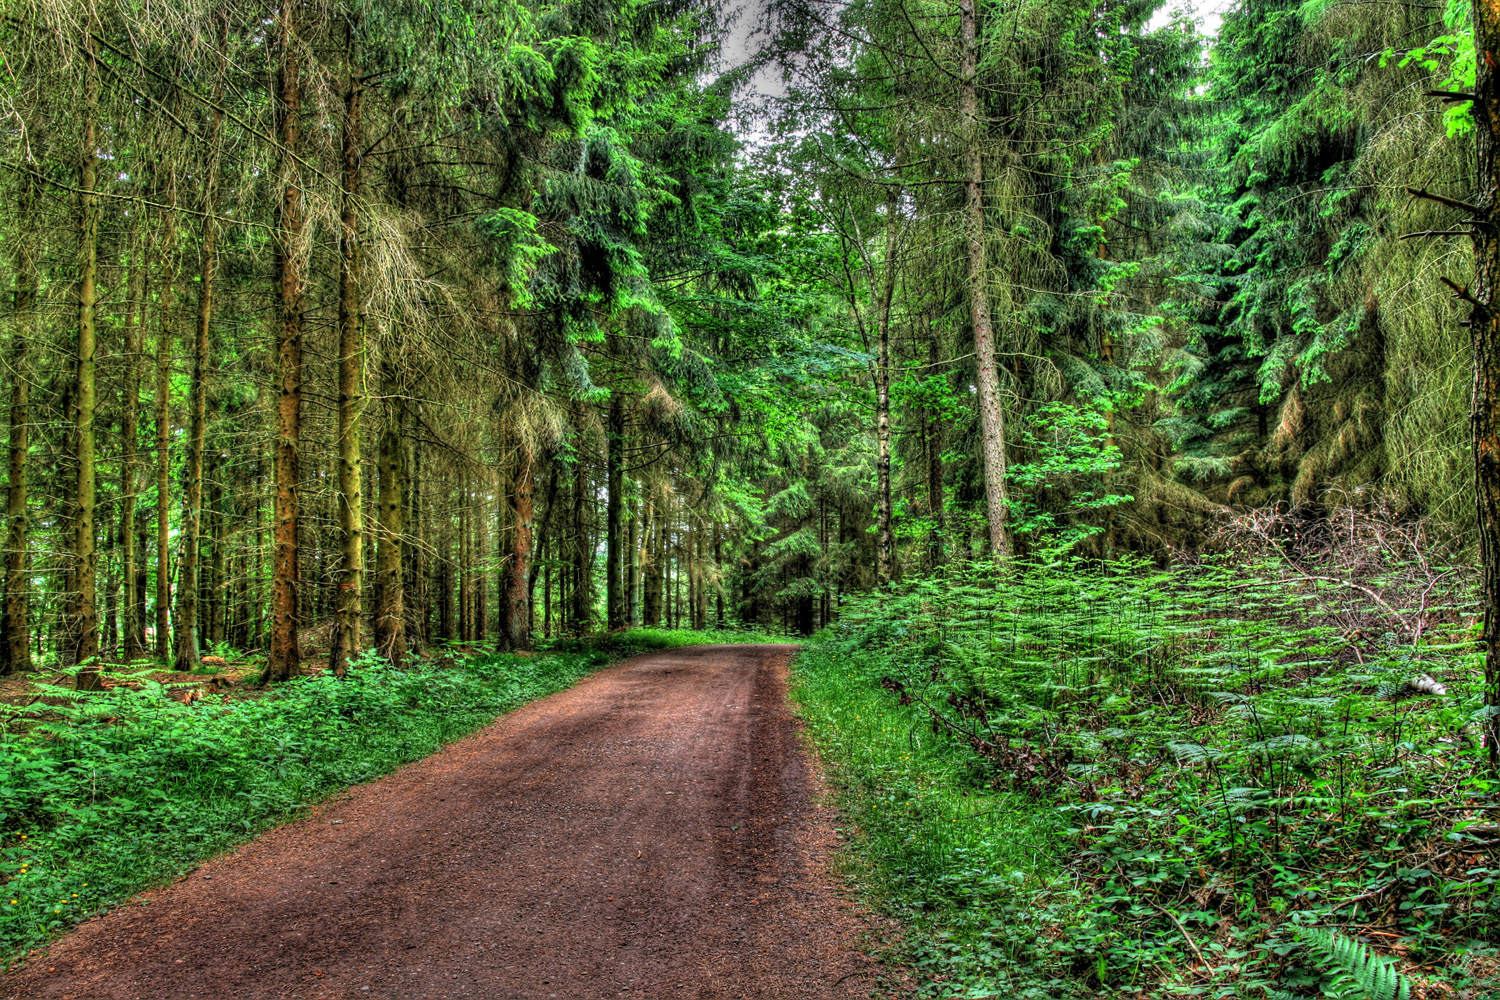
[1147, 782]
[1359, 973]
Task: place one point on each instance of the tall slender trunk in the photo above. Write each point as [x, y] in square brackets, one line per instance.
[614, 543]
[415, 597]
[188, 653]
[650, 569]
[991, 416]
[518, 589]
[719, 570]
[582, 561]
[15, 627]
[390, 611]
[165, 334]
[83, 617]
[632, 563]
[1485, 331]
[445, 579]
[884, 542]
[345, 641]
[284, 658]
[934, 435]
[130, 409]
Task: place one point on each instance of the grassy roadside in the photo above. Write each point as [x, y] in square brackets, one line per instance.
[953, 861]
[120, 791]
[1140, 783]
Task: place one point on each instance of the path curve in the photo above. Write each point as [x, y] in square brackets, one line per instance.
[653, 833]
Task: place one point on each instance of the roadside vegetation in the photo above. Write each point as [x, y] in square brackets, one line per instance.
[1254, 776]
[108, 793]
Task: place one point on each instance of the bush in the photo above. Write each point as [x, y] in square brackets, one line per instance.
[1136, 781]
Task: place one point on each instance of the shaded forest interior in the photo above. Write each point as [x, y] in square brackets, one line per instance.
[349, 327]
[1125, 395]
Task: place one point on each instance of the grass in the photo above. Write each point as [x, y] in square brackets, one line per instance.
[1113, 782]
[955, 862]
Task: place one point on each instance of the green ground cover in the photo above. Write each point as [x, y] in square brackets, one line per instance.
[1088, 782]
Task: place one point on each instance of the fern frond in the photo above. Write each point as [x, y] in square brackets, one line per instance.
[1360, 973]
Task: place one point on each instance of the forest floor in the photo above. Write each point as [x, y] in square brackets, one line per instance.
[657, 831]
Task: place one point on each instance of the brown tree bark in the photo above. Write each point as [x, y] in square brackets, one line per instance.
[188, 651]
[1485, 333]
[390, 610]
[345, 638]
[83, 631]
[614, 544]
[130, 410]
[583, 584]
[15, 629]
[518, 586]
[165, 334]
[884, 539]
[991, 416]
[284, 659]
[935, 501]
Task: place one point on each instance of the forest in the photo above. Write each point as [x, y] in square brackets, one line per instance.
[1110, 404]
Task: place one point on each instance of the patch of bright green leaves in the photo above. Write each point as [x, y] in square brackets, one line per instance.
[1118, 781]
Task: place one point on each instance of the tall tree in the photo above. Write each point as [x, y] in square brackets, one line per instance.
[188, 653]
[345, 640]
[289, 254]
[1484, 324]
[83, 621]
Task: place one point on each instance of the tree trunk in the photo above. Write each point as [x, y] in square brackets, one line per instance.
[15, 627]
[991, 417]
[1485, 330]
[415, 597]
[884, 543]
[284, 659]
[83, 616]
[632, 563]
[582, 563]
[518, 589]
[188, 653]
[390, 612]
[163, 414]
[345, 640]
[934, 435]
[130, 409]
[614, 569]
[651, 569]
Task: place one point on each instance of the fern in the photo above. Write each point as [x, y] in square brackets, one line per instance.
[1357, 972]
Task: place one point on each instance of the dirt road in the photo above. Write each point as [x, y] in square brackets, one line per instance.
[651, 833]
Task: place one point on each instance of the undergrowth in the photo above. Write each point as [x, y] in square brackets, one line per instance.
[1252, 778]
[118, 791]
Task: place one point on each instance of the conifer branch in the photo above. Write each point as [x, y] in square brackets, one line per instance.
[1479, 213]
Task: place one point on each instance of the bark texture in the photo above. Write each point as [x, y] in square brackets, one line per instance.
[345, 639]
[83, 640]
[1485, 329]
[15, 631]
[991, 416]
[284, 655]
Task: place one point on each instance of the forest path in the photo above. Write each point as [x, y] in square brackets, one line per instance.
[653, 832]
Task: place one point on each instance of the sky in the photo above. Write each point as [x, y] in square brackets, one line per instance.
[743, 41]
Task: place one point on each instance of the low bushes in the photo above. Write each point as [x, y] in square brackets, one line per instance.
[1075, 780]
